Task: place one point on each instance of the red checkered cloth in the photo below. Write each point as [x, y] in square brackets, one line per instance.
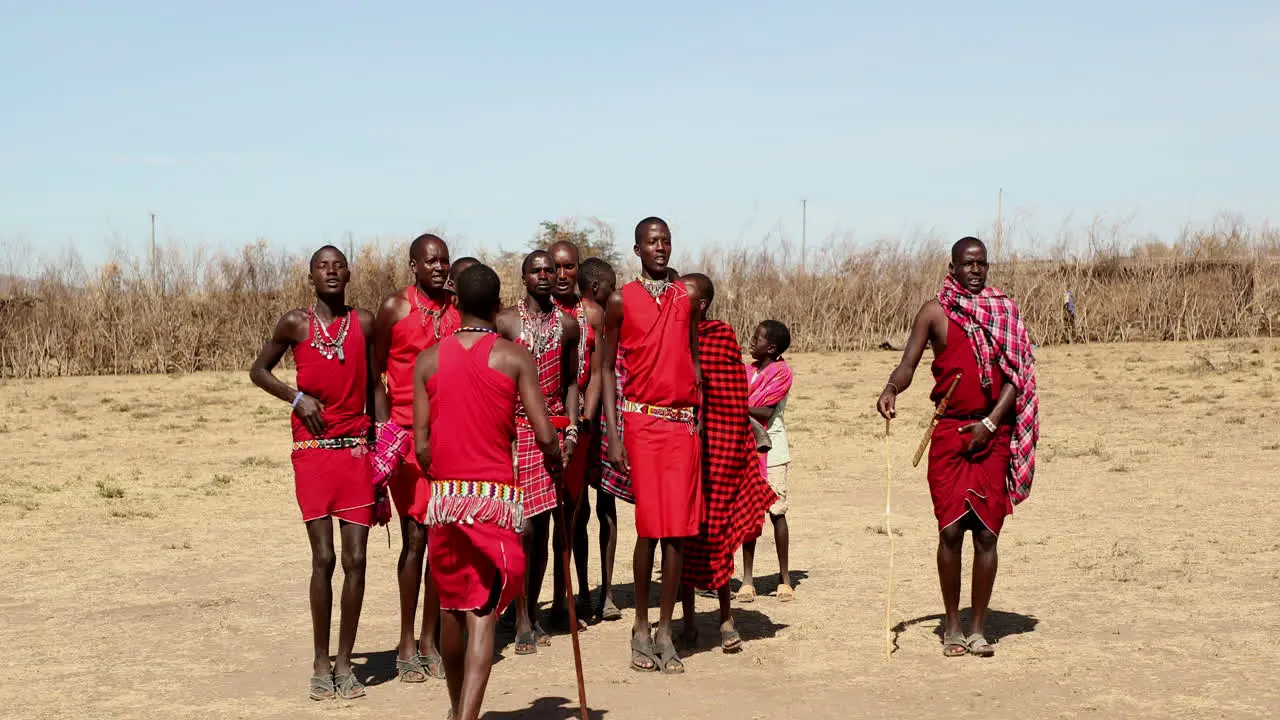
[735, 492]
[612, 481]
[531, 468]
[997, 334]
[391, 448]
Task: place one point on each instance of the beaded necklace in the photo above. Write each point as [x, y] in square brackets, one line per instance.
[655, 288]
[470, 328]
[327, 345]
[542, 331]
[435, 315]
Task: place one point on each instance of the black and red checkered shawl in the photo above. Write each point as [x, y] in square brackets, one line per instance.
[735, 492]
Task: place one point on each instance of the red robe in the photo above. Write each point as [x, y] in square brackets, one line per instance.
[737, 495]
[959, 483]
[475, 508]
[665, 454]
[335, 482]
[414, 333]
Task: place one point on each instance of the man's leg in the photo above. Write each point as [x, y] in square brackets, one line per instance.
[607, 514]
[430, 620]
[688, 613]
[453, 652]
[479, 663]
[672, 565]
[355, 538]
[581, 555]
[413, 547]
[323, 561]
[642, 571]
[748, 591]
[950, 543]
[730, 641]
[535, 552]
[782, 538]
[985, 562]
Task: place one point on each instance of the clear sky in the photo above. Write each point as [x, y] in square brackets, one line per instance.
[302, 122]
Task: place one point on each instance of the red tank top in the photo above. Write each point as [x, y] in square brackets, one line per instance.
[414, 333]
[586, 339]
[970, 399]
[340, 385]
[472, 414]
[654, 342]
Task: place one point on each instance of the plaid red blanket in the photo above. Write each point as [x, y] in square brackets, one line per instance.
[997, 334]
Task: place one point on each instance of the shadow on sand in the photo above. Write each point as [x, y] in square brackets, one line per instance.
[547, 708]
[1000, 624]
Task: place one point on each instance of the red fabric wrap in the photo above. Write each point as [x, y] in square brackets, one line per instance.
[958, 482]
[665, 456]
[334, 482]
[612, 480]
[736, 494]
[531, 467]
[476, 568]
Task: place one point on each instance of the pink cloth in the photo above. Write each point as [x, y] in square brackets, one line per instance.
[768, 387]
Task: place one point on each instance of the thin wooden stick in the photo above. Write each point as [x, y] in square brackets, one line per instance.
[566, 534]
[888, 601]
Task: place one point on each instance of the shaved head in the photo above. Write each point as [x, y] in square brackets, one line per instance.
[315, 257]
[964, 243]
[702, 286]
[563, 246]
[460, 266]
[644, 224]
[420, 244]
[528, 260]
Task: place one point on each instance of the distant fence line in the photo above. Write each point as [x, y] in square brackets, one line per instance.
[200, 313]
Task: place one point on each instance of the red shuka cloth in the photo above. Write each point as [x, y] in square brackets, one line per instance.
[415, 332]
[575, 473]
[958, 482]
[737, 495]
[665, 455]
[476, 557]
[531, 467]
[334, 482]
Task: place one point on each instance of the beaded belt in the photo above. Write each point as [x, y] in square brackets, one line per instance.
[663, 413]
[503, 492]
[330, 443]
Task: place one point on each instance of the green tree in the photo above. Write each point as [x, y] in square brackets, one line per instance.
[593, 236]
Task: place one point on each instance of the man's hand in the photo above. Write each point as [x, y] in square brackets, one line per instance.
[618, 457]
[423, 453]
[981, 437]
[311, 412]
[570, 445]
[887, 405]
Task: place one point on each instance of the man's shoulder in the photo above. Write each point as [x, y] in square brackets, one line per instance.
[396, 303]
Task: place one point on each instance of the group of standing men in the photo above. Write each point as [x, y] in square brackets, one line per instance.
[559, 376]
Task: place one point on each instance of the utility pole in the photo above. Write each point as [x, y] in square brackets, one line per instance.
[999, 222]
[804, 232]
[155, 271]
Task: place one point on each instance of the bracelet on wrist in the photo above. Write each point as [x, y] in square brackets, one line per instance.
[297, 399]
[986, 423]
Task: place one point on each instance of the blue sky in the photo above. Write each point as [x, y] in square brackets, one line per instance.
[302, 122]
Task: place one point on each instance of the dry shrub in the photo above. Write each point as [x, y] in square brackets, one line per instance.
[191, 309]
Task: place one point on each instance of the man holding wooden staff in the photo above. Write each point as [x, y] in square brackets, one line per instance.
[982, 457]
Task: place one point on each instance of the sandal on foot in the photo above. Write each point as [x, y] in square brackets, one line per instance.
[411, 671]
[526, 644]
[746, 594]
[641, 650]
[610, 612]
[786, 593]
[540, 636]
[667, 655]
[730, 641]
[978, 645]
[433, 665]
[348, 687]
[954, 645]
[322, 687]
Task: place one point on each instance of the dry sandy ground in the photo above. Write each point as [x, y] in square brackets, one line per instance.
[155, 565]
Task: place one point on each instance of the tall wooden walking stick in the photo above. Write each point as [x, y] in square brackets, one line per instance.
[566, 535]
[888, 600]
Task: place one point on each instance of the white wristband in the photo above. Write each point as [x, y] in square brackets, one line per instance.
[986, 422]
[297, 400]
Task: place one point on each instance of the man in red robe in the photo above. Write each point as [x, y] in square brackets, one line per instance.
[551, 335]
[410, 321]
[332, 476]
[654, 321]
[982, 457]
[735, 491]
[466, 391]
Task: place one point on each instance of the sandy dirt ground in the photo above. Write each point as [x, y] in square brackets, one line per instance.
[155, 565]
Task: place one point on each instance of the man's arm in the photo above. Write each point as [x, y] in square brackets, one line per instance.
[288, 332]
[695, 317]
[388, 316]
[591, 399]
[372, 380]
[981, 436]
[535, 407]
[608, 348]
[900, 378]
[423, 368]
[570, 338]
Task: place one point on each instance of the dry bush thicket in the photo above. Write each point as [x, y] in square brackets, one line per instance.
[191, 309]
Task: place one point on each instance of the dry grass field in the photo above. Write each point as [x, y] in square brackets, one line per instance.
[155, 566]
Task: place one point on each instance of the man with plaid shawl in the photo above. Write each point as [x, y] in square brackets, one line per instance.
[735, 492]
[982, 454]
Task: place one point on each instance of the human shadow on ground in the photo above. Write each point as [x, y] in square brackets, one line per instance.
[1000, 624]
[624, 594]
[751, 625]
[378, 667]
[546, 708]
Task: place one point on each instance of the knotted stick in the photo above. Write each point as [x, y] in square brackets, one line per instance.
[888, 602]
[937, 413]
